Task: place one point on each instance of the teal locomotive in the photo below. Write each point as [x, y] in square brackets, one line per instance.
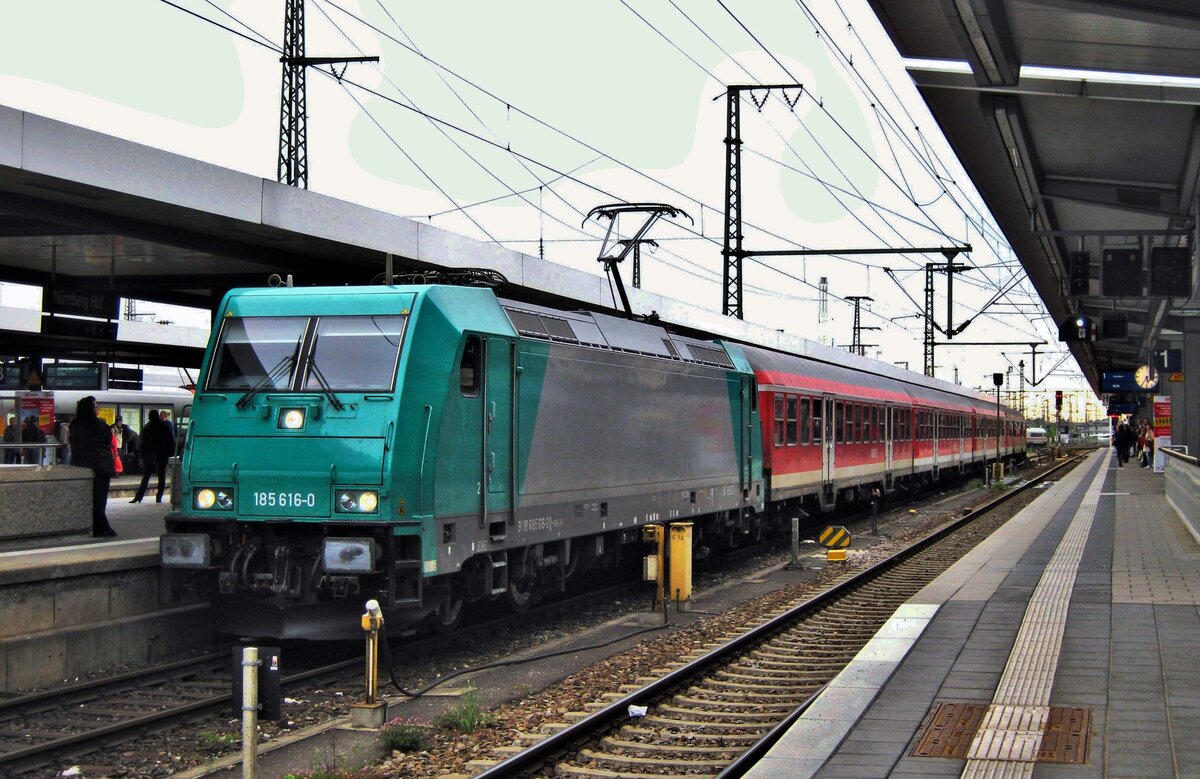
[431, 445]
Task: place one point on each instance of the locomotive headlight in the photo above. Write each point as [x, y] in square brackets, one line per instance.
[291, 418]
[214, 498]
[185, 550]
[357, 501]
[348, 555]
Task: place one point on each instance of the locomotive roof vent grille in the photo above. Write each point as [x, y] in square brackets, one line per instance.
[541, 326]
[526, 323]
[559, 329]
[710, 355]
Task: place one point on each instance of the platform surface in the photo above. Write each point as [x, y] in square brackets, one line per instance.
[138, 527]
[1073, 633]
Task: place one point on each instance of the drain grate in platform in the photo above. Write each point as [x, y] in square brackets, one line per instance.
[1059, 733]
[950, 730]
[1065, 737]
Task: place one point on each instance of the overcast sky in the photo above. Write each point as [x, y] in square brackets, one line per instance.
[601, 102]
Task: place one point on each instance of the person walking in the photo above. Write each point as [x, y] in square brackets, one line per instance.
[91, 447]
[158, 445]
[1121, 442]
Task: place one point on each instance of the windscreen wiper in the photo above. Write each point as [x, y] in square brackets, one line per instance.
[281, 369]
[320, 377]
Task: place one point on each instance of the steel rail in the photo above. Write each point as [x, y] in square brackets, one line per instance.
[34, 755]
[583, 729]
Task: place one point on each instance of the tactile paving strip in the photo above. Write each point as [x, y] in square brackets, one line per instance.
[1010, 737]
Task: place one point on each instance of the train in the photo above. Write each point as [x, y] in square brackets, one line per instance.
[131, 405]
[432, 445]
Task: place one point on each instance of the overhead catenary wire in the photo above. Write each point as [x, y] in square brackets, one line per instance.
[566, 175]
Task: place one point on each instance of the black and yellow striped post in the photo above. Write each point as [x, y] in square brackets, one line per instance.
[835, 539]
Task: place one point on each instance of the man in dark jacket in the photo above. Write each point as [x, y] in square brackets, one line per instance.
[158, 446]
[1122, 441]
[32, 434]
[91, 447]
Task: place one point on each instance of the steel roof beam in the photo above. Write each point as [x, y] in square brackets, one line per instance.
[984, 34]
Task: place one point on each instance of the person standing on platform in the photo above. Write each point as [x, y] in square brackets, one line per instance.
[32, 434]
[129, 444]
[158, 445]
[12, 435]
[91, 447]
[165, 416]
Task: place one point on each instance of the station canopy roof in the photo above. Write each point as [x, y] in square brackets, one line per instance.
[1072, 163]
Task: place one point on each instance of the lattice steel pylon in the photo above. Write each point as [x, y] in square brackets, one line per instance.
[929, 369]
[293, 104]
[293, 116]
[732, 250]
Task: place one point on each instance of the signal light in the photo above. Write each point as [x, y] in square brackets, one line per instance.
[1079, 273]
[1058, 399]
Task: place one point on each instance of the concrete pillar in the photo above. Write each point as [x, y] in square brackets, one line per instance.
[1179, 415]
[1188, 432]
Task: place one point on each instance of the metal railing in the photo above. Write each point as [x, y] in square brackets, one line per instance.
[46, 459]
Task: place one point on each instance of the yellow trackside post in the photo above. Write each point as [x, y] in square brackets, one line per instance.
[681, 565]
[372, 712]
[653, 568]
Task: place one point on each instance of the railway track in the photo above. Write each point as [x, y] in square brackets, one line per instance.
[55, 726]
[723, 706]
[61, 725]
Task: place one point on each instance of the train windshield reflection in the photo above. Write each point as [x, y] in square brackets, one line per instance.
[356, 352]
[264, 353]
[252, 350]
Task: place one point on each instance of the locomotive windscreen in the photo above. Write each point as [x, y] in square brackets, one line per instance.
[348, 352]
[257, 351]
[356, 352]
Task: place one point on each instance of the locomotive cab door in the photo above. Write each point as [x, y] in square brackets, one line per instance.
[498, 411]
[749, 397]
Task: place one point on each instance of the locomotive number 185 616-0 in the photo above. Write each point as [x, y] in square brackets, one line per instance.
[286, 499]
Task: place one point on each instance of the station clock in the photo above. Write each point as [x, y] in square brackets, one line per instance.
[1146, 377]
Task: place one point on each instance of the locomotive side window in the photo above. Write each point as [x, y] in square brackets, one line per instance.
[257, 351]
[468, 369]
[805, 422]
[791, 420]
[778, 419]
[356, 352]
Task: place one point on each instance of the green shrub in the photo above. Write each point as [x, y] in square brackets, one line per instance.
[210, 740]
[468, 716]
[404, 735]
